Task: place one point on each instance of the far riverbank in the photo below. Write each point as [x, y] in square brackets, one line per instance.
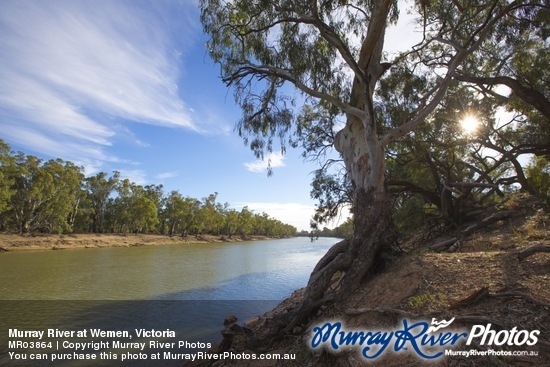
[14, 242]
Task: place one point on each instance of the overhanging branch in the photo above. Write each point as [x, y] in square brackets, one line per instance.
[472, 45]
[527, 94]
[263, 71]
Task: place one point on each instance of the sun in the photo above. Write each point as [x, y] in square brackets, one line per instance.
[469, 124]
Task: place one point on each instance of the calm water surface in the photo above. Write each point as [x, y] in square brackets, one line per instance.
[186, 288]
[255, 270]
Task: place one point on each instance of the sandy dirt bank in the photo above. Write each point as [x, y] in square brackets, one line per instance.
[13, 242]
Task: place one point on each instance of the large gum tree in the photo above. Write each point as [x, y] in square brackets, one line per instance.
[328, 56]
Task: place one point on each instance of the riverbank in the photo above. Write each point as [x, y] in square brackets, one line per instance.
[497, 276]
[34, 242]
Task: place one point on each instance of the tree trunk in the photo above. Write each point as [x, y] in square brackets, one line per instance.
[349, 262]
[346, 265]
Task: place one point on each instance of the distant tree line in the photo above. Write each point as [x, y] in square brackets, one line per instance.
[54, 196]
[344, 230]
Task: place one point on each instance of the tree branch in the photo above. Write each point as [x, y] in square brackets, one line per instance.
[482, 32]
[495, 217]
[523, 254]
[529, 95]
[431, 196]
[331, 37]
[262, 71]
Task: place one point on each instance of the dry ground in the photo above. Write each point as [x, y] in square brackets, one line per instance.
[425, 284]
[13, 242]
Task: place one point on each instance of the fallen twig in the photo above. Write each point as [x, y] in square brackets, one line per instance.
[532, 250]
[495, 217]
[474, 298]
[443, 245]
[522, 295]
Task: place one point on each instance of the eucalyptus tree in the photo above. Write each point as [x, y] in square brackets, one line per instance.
[134, 209]
[99, 188]
[329, 57]
[180, 213]
[118, 208]
[191, 216]
[174, 211]
[64, 181]
[44, 193]
[7, 165]
[442, 170]
[27, 196]
[155, 193]
[538, 174]
[210, 217]
[231, 222]
[246, 222]
[144, 214]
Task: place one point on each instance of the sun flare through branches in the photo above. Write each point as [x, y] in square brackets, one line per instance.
[469, 124]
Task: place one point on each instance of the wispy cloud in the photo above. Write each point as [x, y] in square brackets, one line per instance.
[272, 160]
[140, 176]
[130, 136]
[164, 175]
[70, 68]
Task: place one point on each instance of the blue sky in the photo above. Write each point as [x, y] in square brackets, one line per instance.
[128, 86]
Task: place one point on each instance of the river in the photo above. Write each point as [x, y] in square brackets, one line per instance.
[189, 289]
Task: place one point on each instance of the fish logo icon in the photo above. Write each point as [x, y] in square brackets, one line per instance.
[436, 325]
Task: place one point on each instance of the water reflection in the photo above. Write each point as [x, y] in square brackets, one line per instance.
[189, 289]
[158, 271]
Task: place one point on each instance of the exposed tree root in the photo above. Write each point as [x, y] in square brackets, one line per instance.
[495, 217]
[525, 296]
[472, 299]
[484, 293]
[344, 267]
[532, 250]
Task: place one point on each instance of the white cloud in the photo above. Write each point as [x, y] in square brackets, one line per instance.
[69, 68]
[165, 175]
[273, 160]
[406, 33]
[137, 176]
[39, 140]
[123, 131]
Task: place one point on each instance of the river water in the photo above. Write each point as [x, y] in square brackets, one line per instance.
[189, 289]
